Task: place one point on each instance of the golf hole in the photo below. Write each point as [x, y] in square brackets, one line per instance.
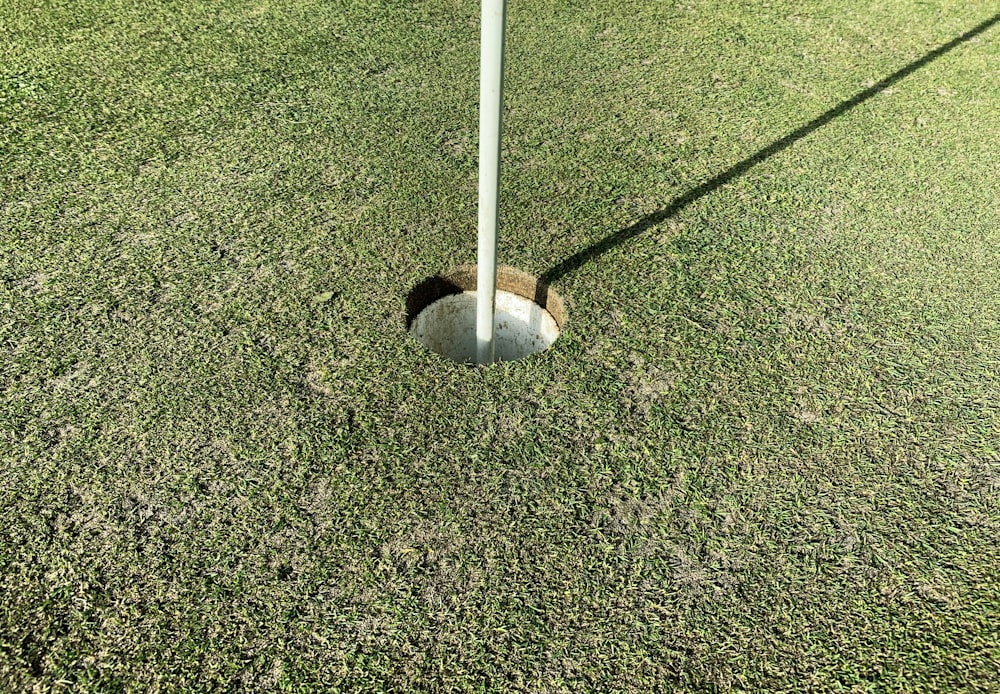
[441, 314]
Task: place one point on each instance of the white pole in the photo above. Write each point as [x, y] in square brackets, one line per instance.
[490, 120]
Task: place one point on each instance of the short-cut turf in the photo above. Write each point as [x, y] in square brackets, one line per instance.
[763, 455]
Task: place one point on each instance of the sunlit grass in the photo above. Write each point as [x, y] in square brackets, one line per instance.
[762, 456]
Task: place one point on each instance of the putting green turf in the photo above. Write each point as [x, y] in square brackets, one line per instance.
[763, 456]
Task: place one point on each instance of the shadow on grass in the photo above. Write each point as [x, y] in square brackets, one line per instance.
[584, 256]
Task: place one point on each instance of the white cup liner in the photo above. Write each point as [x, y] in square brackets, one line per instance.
[442, 315]
[448, 327]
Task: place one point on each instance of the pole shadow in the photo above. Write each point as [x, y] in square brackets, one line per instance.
[591, 252]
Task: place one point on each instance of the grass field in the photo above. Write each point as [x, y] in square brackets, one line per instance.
[764, 456]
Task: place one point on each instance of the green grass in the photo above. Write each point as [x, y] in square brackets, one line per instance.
[763, 456]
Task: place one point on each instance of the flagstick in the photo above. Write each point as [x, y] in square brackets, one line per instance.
[494, 18]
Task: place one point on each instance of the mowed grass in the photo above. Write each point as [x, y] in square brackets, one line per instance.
[763, 455]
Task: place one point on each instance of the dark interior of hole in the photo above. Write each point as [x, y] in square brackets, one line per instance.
[426, 293]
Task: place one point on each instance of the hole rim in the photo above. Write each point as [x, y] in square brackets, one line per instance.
[464, 279]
